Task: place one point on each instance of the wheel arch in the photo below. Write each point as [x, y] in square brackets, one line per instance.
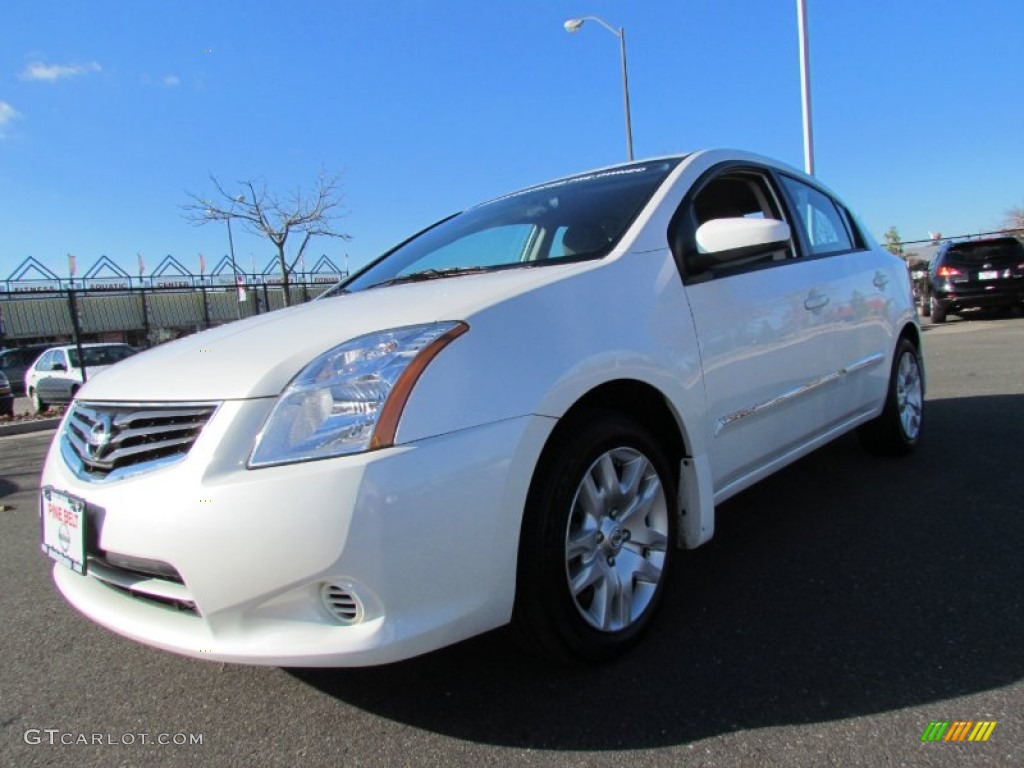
[912, 333]
[649, 406]
[640, 401]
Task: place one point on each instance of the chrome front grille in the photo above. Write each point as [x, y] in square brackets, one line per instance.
[107, 441]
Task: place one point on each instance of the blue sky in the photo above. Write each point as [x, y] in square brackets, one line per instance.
[110, 111]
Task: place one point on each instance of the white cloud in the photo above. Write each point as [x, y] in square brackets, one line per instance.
[171, 81]
[51, 73]
[7, 114]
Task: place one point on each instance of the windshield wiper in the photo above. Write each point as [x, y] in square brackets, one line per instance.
[430, 274]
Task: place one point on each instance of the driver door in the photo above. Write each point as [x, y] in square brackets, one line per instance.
[761, 328]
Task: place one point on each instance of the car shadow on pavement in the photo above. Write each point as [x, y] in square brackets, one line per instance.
[972, 315]
[845, 585]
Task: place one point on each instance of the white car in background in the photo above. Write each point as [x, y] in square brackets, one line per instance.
[63, 363]
[521, 415]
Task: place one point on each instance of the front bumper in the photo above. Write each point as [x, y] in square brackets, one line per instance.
[423, 536]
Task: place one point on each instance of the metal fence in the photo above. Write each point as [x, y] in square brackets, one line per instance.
[140, 314]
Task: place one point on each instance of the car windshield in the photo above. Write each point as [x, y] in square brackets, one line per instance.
[1006, 249]
[579, 217]
[100, 355]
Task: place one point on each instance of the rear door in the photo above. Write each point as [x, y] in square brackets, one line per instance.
[866, 287]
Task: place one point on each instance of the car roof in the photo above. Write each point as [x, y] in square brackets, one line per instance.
[984, 241]
[90, 345]
[26, 346]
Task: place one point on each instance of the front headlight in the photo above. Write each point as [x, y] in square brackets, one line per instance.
[350, 398]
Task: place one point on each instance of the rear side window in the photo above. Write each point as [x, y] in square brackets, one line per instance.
[1004, 251]
[817, 216]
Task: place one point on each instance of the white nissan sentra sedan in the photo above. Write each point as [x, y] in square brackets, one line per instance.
[519, 416]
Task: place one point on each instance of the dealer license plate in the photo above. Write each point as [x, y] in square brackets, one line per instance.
[989, 275]
[64, 521]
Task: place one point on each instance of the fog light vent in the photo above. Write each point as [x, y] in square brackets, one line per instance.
[341, 604]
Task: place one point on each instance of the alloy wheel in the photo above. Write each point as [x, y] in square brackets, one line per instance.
[616, 539]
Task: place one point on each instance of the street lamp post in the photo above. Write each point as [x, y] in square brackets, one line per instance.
[805, 85]
[573, 25]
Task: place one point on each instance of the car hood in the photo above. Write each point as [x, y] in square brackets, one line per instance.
[257, 357]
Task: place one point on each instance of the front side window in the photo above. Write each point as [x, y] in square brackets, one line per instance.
[818, 218]
[578, 217]
[735, 194]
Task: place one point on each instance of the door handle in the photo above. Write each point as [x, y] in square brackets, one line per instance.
[881, 280]
[815, 301]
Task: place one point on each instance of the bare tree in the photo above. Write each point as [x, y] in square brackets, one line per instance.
[1013, 219]
[266, 214]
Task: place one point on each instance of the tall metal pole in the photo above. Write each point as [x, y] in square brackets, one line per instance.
[76, 330]
[625, 94]
[234, 268]
[805, 86]
[572, 26]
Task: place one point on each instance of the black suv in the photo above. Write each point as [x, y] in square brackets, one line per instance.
[977, 273]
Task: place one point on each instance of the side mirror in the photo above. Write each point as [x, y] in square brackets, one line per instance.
[729, 241]
[58, 367]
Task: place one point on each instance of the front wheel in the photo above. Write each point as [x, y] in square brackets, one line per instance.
[897, 429]
[598, 539]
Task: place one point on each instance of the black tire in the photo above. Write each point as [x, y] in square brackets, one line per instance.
[926, 305]
[604, 548]
[897, 429]
[938, 311]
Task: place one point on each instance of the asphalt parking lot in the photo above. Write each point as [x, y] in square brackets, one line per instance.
[844, 604]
